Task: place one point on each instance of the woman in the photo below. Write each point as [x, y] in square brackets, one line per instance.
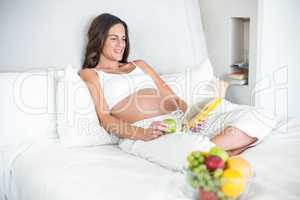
[106, 59]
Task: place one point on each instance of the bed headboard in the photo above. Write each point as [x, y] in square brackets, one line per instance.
[40, 34]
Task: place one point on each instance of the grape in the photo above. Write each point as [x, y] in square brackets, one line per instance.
[206, 176]
[194, 163]
[199, 176]
[197, 170]
[210, 184]
[203, 167]
[194, 183]
[190, 158]
[223, 198]
[191, 168]
[229, 198]
[217, 182]
[195, 158]
[190, 179]
[206, 188]
[196, 154]
[218, 173]
[200, 158]
[199, 182]
[220, 194]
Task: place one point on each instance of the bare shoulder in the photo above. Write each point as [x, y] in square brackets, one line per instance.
[140, 63]
[143, 65]
[146, 68]
[88, 74]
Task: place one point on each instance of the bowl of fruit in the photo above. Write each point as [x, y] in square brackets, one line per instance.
[214, 175]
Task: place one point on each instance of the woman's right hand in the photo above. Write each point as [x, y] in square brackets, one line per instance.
[155, 130]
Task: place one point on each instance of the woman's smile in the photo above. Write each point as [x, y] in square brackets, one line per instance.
[118, 51]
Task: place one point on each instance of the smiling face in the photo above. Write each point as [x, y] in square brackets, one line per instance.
[115, 43]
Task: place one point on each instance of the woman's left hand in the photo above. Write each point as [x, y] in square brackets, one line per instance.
[199, 127]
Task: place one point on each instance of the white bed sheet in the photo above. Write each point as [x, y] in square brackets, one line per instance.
[50, 171]
[276, 162]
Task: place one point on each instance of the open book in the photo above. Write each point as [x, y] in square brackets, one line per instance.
[195, 117]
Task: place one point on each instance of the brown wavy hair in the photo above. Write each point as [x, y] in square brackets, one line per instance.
[97, 35]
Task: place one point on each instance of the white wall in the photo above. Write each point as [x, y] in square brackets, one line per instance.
[274, 50]
[278, 76]
[217, 24]
[49, 33]
[216, 16]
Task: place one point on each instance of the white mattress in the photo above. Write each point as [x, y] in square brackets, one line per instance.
[49, 171]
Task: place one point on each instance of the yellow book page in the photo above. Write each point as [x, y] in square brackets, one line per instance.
[202, 115]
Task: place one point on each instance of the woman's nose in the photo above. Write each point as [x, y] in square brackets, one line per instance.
[121, 43]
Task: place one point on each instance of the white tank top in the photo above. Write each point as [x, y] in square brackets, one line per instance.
[116, 87]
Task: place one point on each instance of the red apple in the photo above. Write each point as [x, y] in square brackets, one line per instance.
[214, 162]
[204, 195]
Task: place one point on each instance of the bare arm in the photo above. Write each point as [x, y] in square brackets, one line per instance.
[170, 97]
[110, 123]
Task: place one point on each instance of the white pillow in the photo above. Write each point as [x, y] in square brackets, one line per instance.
[197, 84]
[27, 106]
[77, 122]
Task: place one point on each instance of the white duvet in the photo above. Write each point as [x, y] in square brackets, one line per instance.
[48, 171]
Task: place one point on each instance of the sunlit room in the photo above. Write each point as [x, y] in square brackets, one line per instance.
[149, 99]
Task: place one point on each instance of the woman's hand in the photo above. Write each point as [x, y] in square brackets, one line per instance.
[155, 130]
[199, 127]
[159, 125]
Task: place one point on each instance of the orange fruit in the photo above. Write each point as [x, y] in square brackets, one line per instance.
[233, 183]
[241, 165]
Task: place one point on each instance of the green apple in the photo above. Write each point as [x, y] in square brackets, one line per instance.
[171, 123]
[217, 151]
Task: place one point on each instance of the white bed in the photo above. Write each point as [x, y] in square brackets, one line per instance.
[47, 170]
[35, 167]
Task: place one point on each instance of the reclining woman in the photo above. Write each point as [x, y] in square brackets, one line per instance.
[106, 66]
